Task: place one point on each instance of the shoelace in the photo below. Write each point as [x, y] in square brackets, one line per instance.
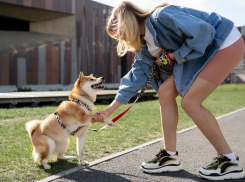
[160, 154]
[218, 160]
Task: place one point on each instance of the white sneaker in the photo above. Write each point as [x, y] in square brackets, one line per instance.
[222, 168]
[163, 162]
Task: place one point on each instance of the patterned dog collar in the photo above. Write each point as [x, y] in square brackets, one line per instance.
[83, 104]
[64, 126]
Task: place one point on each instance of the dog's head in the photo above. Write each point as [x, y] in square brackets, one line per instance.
[88, 85]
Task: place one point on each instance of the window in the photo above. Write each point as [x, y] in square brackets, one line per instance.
[7, 23]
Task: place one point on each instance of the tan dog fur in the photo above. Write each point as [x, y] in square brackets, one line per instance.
[49, 138]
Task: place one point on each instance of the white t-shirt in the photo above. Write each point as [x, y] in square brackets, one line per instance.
[155, 51]
[152, 48]
[232, 38]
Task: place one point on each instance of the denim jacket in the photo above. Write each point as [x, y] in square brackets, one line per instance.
[193, 36]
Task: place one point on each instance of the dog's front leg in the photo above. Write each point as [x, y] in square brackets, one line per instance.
[80, 146]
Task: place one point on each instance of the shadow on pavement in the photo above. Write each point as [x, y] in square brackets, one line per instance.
[92, 175]
[181, 174]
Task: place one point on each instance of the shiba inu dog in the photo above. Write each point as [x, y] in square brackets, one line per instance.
[51, 135]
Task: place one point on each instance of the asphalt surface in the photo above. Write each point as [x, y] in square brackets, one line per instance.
[194, 152]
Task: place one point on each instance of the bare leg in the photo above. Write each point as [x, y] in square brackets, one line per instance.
[205, 121]
[222, 63]
[169, 112]
[167, 94]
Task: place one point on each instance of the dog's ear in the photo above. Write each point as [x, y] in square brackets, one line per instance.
[92, 75]
[81, 76]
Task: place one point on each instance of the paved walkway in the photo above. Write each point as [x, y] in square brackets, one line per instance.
[194, 151]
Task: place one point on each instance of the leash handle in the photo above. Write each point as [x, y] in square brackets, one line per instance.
[114, 119]
[140, 94]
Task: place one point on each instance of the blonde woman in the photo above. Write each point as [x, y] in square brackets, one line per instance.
[203, 49]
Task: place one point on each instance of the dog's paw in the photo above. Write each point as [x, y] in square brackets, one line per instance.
[107, 120]
[84, 163]
[110, 122]
[46, 166]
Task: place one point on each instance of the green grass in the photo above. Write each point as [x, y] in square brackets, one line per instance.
[141, 124]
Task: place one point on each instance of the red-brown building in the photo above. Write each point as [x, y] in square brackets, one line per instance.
[48, 42]
[51, 41]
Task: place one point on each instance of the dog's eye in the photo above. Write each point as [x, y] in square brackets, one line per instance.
[91, 79]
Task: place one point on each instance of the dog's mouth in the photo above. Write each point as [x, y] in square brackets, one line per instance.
[98, 86]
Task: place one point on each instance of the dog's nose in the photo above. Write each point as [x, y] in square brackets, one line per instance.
[102, 78]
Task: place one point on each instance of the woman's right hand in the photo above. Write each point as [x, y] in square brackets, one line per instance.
[107, 112]
[98, 118]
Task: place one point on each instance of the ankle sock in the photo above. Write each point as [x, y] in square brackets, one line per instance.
[230, 156]
[171, 153]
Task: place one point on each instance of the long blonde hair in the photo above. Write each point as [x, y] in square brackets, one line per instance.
[123, 24]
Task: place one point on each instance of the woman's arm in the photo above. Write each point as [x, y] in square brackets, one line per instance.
[107, 112]
[113, 106]
[197, 34]
[131, 83]
[172, 56]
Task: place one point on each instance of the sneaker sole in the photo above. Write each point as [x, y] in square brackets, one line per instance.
[163, 169]
[224, 177]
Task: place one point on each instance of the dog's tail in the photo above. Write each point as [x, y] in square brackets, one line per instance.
[31, 126]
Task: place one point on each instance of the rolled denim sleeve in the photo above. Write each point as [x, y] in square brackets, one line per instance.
[197, 33]
[131, 83]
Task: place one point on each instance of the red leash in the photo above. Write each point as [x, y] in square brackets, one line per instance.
[141, 93]
[115, 119]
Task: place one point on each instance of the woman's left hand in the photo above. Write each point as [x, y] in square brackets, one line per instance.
[171, 55]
